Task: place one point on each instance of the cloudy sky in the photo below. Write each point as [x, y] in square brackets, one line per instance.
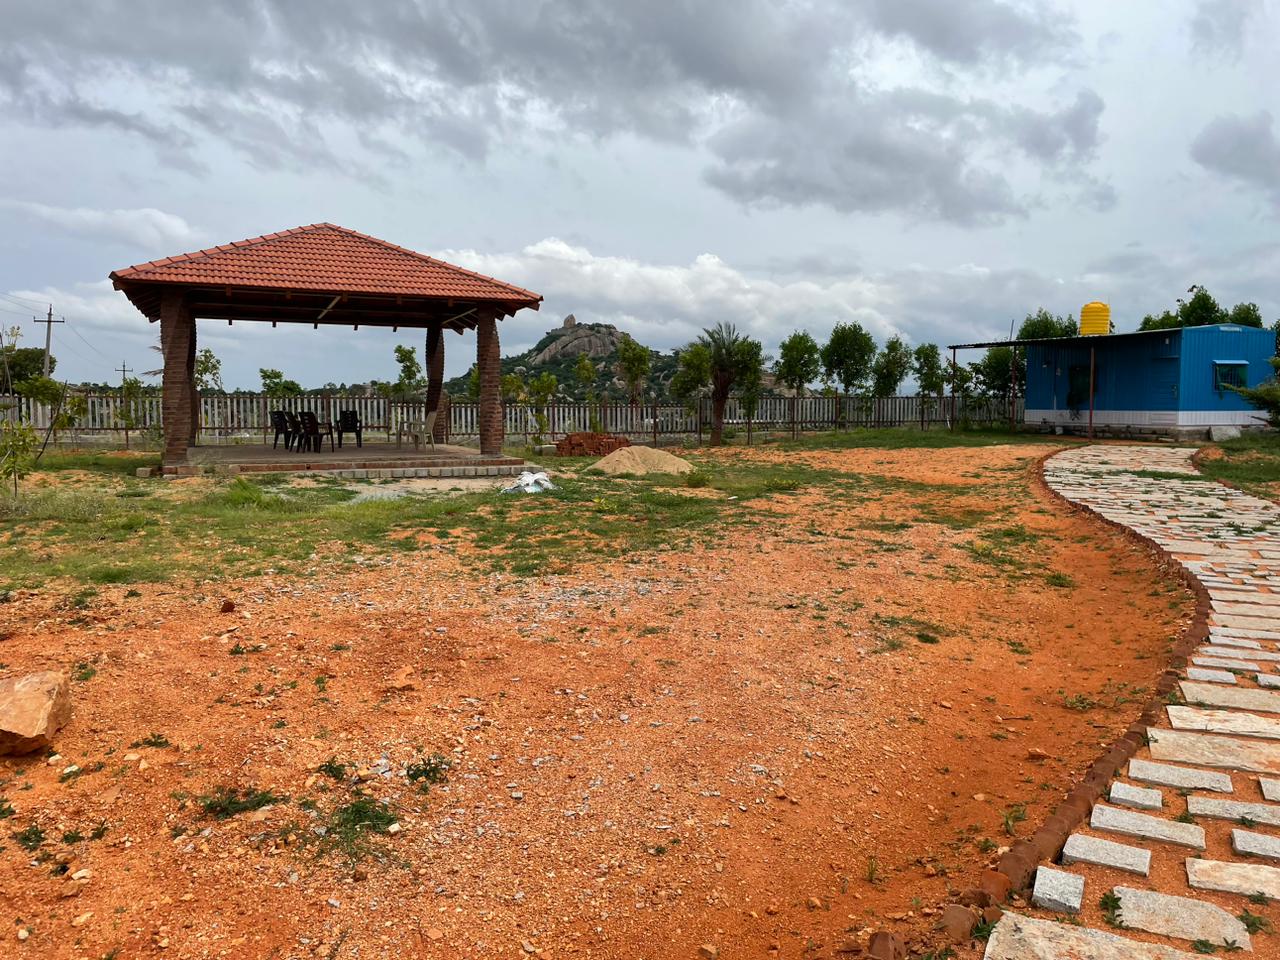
[933, 168]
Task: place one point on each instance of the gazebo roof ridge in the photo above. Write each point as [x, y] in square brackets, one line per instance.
[418, 276]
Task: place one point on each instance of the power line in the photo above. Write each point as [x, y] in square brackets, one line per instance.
[20, 301]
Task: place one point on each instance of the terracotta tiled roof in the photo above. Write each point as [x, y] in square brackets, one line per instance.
[327, 258]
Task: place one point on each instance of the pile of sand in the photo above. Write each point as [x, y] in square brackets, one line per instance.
[640, 461]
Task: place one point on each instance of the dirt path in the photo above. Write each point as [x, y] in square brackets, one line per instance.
[824, 721]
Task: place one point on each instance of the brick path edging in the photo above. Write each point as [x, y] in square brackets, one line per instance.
[1020, 862]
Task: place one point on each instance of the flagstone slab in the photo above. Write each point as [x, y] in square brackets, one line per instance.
[1228, 877]
[1268, 813]
[1210, 695]
[1228, 663]
[1270, 788]
[1210, 676]
[1131, 824]
[1180, 917]
[1214, 750]
[1226, 640]
[1141, 798]
[1058, 890]
[1017, 937]
[1225, 650]
[1255, 844]
[1266, 680]
[1240, 633]
[1082, 848]
[1224, 721]
[1185, 778]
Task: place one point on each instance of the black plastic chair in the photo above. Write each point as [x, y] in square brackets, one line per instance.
[314, 432]
[280, 422]
[349, 422]
[295, 428]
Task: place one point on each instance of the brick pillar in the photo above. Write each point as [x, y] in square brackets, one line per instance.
[176, 342]
[489, 364]
[435, 377]
[194, 394]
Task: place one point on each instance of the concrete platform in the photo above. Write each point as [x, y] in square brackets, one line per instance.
[372, 460]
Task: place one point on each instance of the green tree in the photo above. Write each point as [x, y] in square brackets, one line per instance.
[208, 371]
[847, 357]
[18, 442]
[890, 367]
[993, 374]
[410, 381]
[634, 361]
[1246, 315]
[719, 359]
[513, 388]
[21, 364]
[128, 413]
[541, 389]
[1043, 325]
[1266, 395]
[1201, 309]
[926, 367]
[584, 371]
[799, 361]
[275, 385]
[799, 364]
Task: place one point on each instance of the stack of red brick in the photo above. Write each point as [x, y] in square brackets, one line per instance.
[590, 444]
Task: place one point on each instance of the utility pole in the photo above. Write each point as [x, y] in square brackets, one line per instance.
[48, 322]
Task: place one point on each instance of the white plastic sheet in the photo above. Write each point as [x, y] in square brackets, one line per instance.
[529, 482]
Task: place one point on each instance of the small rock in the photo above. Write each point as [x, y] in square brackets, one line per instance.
[81, 920]
[708, 951]
[228, 606]
[23, 933]
[435, 933]
[996, 884]
[957, 922]
[394, 828]
[885, 946]
[1036, 755]
[528, 947]
[815, 903]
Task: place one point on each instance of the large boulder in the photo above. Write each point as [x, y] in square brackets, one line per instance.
[1223, 432]
[32, 709]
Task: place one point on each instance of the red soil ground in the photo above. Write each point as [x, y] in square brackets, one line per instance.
[755, 745]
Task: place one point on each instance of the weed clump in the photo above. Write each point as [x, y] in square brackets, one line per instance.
[226, 802]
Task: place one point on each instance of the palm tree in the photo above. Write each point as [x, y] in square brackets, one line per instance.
[721, 358]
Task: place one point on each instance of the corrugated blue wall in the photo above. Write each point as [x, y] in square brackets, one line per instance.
[1201, 346]
[1163, 370]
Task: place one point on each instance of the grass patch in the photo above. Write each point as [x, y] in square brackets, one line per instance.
[428, 771]
[245, 527]
[30, 838]
[348, 828]
[227, 802]
[902, 439]
[1251, 462]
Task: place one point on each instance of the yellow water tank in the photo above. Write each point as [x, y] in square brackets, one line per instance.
[1095, 318]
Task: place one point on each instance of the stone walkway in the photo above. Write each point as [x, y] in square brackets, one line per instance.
[1184, 858]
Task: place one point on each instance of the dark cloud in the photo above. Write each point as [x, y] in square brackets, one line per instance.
[907, 150]
[769, 87]
[1218, 27]
[1242, 149]
[975, 31]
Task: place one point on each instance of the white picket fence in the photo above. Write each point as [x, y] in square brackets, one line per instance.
[244, 417]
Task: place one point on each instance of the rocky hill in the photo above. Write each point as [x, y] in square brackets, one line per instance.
[558, 351]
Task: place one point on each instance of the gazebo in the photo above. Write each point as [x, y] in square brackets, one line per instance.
[318, 274]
